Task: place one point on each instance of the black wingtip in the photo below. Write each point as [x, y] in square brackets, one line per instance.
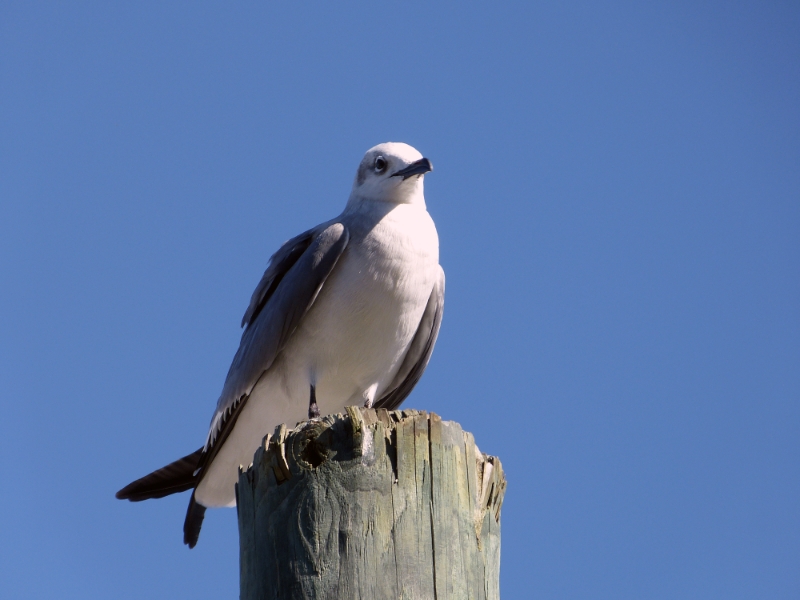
[176, 477]
[195, 514]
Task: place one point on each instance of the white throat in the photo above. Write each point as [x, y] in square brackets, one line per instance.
[402, 192]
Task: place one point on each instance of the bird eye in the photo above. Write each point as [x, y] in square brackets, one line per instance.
[380, 164]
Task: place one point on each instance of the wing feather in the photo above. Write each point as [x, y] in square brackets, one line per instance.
[279, 265]
[276, 314]
[419, 352]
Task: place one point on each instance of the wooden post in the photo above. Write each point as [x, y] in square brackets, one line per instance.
[373, 505]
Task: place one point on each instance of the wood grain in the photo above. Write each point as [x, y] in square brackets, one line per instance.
[370, 504]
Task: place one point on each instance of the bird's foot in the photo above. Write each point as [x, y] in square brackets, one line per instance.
[313, 411]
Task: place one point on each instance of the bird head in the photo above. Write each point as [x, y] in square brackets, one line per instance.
[392, 172]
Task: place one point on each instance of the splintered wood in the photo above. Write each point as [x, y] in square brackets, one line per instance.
[374, 505]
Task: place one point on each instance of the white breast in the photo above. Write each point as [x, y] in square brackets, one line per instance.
[349, 345]
[368, 311]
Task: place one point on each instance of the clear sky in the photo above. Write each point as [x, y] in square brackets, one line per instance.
[617, 194]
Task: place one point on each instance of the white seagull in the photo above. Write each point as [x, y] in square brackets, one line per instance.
[346, 313]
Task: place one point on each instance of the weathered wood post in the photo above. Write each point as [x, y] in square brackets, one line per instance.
[374, 505]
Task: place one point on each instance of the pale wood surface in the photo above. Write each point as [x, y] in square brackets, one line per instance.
[374, 505]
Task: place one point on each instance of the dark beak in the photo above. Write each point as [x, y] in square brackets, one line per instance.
[418, 167]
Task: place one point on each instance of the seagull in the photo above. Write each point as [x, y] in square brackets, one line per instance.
[346, 313]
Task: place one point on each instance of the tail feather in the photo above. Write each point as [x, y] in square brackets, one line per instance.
[194, 521]
[175, 477]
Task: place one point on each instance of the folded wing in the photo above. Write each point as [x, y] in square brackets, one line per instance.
[284, 295]
[419, 352]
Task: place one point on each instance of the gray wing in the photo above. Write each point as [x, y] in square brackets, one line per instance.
[287, 290]
[419, 352]
[279, 265]
[291, 283]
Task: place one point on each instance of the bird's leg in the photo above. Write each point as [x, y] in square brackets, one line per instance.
[313, 409]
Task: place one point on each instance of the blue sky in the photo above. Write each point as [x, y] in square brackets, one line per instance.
[617, 194]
